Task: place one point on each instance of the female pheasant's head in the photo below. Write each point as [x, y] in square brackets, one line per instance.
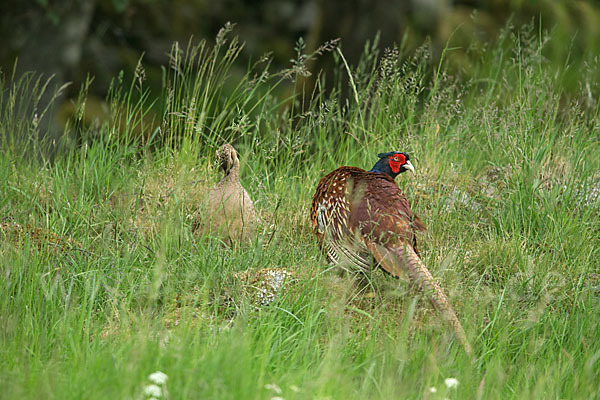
[392, 164]
[227, 158]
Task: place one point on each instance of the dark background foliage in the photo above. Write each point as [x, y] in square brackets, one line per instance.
[74, 39]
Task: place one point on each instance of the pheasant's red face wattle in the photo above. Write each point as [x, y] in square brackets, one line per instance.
[396, 161]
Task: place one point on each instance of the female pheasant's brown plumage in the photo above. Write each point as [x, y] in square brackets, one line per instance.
[362, 216]
[230, 212]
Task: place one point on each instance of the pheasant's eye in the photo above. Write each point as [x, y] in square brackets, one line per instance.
[399, 158]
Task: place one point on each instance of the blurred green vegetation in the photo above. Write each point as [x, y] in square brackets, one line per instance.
[507, 181]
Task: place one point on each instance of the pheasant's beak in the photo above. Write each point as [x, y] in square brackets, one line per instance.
[408, 166]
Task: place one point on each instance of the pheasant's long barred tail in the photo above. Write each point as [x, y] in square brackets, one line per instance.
[361, 219]
[418, 272]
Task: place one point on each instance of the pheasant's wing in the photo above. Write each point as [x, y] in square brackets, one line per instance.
[343, 243]
[331, 212]
[399, 259]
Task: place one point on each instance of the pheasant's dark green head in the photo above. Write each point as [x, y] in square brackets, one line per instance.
[393, 164]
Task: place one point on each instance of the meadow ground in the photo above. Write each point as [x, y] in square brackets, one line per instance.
[103, 281]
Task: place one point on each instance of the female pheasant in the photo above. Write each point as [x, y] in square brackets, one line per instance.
[360, 215]
[230, 212]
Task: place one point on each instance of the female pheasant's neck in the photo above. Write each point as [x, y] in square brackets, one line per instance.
[233, 174]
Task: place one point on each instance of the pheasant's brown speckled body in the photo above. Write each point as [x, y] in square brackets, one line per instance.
[362, 219]
[351, 200]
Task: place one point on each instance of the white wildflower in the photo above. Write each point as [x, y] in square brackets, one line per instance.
[433, 389]
[451, 382]
[158, 377]
[153, 390]
[273, 387]
[277, 398]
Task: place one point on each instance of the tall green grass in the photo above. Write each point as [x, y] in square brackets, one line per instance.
[507, 182]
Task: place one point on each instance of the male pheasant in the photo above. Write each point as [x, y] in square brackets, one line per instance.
[360, 215]
[230, 212]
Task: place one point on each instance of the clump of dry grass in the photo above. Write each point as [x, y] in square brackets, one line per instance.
[18, 235]
[264, 285]
[255, 288]
[162, 190]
